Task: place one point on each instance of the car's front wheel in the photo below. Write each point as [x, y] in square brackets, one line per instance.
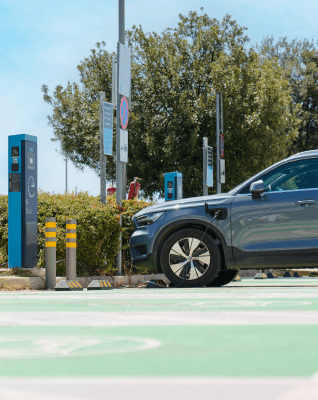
[190, 258]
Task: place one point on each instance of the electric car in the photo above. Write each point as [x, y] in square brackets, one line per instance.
[268, 221]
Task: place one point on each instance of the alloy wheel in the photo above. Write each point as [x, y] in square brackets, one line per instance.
[189, 258]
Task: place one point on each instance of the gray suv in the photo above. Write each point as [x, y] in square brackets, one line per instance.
[268, 221]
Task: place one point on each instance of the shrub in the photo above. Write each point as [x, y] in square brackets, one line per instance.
[98, 230]
[128, 209]
[3, 229]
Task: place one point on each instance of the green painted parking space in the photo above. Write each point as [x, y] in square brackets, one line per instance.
[246, 330]
[248, 295]
[250, 351]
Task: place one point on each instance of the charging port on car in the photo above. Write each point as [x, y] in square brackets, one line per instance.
[217, 213]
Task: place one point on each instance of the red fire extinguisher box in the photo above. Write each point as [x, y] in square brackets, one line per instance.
[133, 190]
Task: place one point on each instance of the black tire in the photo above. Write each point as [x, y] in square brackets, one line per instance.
[224, 278]
[189, 260]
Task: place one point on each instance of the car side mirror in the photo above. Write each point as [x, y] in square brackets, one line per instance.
[256, 189]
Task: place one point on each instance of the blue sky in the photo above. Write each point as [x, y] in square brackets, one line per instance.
[42, 42]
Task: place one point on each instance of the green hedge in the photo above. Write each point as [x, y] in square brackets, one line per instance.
[3, 229]
[97, 230]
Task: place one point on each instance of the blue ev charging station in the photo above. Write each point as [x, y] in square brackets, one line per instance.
[22, 213]
[173, 186]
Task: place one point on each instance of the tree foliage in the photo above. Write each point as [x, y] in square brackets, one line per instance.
[175, 78]
[299, 61]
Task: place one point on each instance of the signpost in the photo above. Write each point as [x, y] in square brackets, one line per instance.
[124, 70]
[102, 156]
[207, 166]
[222, 145]
[124, 113]
[123, 89]
[108, 128]
[114, 82]
[222, 169]
[220, 174]
[209, 173]
[123, 145]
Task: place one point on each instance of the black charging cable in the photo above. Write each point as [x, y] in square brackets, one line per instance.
[215, 216]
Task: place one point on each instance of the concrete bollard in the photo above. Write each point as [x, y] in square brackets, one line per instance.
[70, 249]
[50, 252]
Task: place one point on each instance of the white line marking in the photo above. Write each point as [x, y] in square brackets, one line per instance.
[20, 347]
[158, 388]
[159, 318]
[160, 294]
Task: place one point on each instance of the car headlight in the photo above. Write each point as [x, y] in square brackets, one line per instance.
[148, 219]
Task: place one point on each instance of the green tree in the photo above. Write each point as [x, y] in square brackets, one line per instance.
[175, 78]
[299, 61]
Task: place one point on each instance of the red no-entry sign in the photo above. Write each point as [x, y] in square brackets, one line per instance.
[124, 112]
[222, 146]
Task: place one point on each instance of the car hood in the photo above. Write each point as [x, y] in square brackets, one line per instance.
[223, 198]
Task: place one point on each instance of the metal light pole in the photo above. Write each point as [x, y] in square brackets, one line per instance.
[119, 165]
[218, 182]
[56, 140]
[121, 39]
[102, 155]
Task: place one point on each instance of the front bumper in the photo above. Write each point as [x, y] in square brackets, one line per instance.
[139, 249]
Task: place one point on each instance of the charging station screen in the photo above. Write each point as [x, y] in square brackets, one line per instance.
[15, 151]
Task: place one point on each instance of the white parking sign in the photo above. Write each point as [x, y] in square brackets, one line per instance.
[123, 154]
[124, 70]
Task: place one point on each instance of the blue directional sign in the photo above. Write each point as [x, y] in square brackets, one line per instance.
[108, 128]
[222, 145]
[209, 170]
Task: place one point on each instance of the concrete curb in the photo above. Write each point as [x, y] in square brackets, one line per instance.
[38, 283]
[18, 282]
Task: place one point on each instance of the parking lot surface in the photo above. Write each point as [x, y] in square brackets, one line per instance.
[251, 339]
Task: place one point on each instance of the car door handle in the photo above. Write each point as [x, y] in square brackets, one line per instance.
[305, 202]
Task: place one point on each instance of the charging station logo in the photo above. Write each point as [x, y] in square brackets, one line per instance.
[31, 186]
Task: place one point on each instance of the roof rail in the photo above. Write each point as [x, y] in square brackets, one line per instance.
[305, 152]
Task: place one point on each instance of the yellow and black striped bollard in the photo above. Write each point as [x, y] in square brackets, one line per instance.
[50, 252]
[70, 249]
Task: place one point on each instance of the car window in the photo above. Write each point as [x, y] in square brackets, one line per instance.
[295, 175]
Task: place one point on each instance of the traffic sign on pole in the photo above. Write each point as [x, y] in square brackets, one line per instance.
[123, 146]
[108, 128]
[124, 70]
[114, 82]
[222, 168]
[209, 173]
[124, 112]
[222, 146]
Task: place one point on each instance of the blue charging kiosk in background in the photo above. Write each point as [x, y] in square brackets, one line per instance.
[22, 201]
[173, 186]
